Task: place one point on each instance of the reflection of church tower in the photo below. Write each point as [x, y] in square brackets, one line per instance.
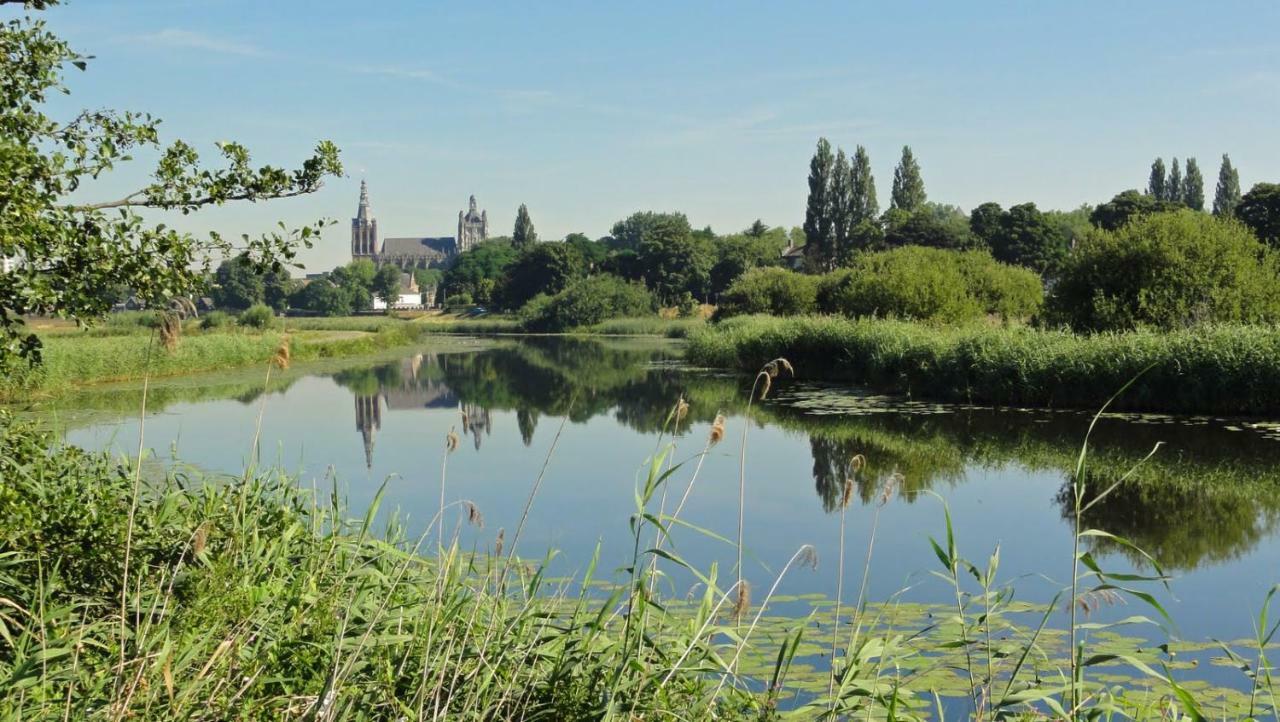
[474, 421]
[364, 229]
[368, 421]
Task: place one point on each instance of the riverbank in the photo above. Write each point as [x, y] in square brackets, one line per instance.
[126, 348]
[1233, 370]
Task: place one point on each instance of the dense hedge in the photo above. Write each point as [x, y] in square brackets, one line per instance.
[1228, 369]
[1167, 270]
[915, 282]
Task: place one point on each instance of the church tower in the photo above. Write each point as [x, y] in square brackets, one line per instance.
[473, 227]
[364, 229]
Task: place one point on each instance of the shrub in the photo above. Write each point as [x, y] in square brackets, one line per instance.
[908, 282]
[775, 291]
[215, 319]
[1001, 289]
[259, 315]
[586, 302]
[1167, 270]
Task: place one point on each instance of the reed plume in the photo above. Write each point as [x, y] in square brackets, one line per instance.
[281, 358]
[170, 330]
[498, 542]
[717, 430]
[200, 539]
[451, 441]
[741, 602]
[474, 517]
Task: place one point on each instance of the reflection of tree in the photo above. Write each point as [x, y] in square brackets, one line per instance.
[527, 420]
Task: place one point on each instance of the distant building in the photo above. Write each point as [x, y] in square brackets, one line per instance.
[793, 257]
[410, 296]
[416, 251]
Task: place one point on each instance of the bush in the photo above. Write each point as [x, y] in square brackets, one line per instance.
[1001, 289]
[909, 282]
[586, 302]
[775, 291]
[259, 316]
[215, 319]
[1167, 270]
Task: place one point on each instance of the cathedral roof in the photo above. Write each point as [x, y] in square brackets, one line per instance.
[418, 247]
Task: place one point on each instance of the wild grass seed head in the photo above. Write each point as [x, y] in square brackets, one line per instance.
[717, 430]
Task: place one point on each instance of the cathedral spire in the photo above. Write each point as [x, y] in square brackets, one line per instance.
[363, 212]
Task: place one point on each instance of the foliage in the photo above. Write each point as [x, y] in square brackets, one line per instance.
[929, 284]
[476, 272]
[1259, 209]
[818, 220]
[673, 260]
[1226, 369]
[428, 277]
[1157, 182]
[1022, 236]
[775, 291]
[1127, 206]
[629, 233]
[929, 224]
[324, 297]
[586, 302]
[1193, 187]
[543, 268]
[1167, 270]
[908, 185]
[259, 316]
[523, 236]
[385, 284]
[1226, 195]
[735, 255]
[215, 320]
[73, 249]
[236, 285]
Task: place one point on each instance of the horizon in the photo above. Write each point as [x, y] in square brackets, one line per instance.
[588, 114]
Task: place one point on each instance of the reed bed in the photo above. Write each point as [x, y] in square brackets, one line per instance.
[1224, 369]
[173, 595]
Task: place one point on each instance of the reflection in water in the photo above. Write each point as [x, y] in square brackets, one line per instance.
[1206, 497]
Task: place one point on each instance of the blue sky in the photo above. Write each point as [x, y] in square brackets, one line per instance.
[590, 111]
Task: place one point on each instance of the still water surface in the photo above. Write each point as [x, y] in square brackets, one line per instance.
[1204, 504]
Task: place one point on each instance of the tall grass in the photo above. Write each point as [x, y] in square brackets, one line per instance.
[1215, 369]
[124, 595]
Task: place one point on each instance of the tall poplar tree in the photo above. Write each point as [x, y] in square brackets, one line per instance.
[1193, 186]
[817, 212]
[841, 210]
[523, 235]
[908, 186]
[1227, 195]
[1156, 184]
[1173, 187]
[863, 187]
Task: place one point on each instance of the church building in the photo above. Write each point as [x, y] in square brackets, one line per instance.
[418, 251]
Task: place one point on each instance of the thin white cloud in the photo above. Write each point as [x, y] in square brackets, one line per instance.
[191, 40]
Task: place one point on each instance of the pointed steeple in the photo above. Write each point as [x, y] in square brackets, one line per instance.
[363, 213]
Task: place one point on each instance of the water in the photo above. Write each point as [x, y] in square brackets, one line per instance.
[1204, 505]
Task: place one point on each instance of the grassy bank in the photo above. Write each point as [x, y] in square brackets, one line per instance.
[1215, 370]
[75, 359]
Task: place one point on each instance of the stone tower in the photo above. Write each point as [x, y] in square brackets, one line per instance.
[364, 229]
[473, 227]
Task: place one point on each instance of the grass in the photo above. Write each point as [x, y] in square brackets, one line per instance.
[1215, 369]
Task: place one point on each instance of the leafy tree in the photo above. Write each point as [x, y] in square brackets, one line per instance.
[908, 185]
[757, 229]
[627, 234]
[1193, 187]
[673, 261]
[386, 284]
[324, 297]
[1157, 185]
[524, 235]
[476, 272]
[735, 255]
[237, 285]
[276, 287]
[593, 252]
[930, 224]
[1167, 270]
[428, 277]
[775, 291]
[586, 302]
[1022, 236]
[624, 264]
[1173, 188]
[863, 188]
[986, 222]
[1260, 210]
[841, 200]
[356, 275]
[818, 220]
[72, 249]
[545, 268]
[1227, 195]
[1125, 207]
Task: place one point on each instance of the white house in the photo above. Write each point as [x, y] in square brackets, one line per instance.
[410, 296]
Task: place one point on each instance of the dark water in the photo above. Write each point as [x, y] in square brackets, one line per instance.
[1205, 505]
